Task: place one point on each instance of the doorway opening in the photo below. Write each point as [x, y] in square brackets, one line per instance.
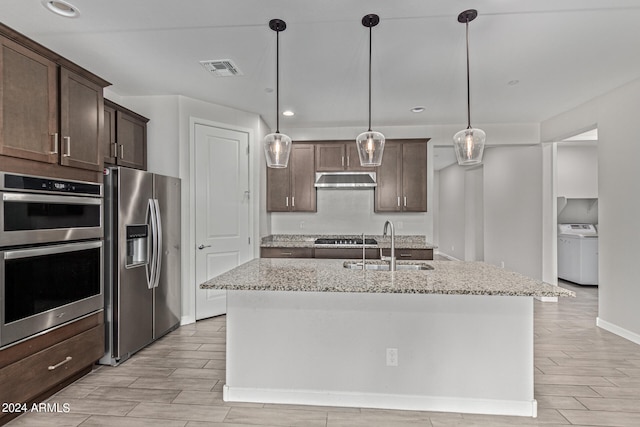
[576, 214]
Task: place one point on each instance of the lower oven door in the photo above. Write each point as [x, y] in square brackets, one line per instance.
[45, 286]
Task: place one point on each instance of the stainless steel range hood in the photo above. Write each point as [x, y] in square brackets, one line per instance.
[346, 180]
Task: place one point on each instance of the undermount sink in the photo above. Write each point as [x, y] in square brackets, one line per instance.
[385, 267]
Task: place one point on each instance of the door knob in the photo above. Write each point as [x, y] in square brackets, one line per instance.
[201, 247]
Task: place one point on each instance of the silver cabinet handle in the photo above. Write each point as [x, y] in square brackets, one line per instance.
[347, 161]
[201, 247]
[293, 201]
[114, 149]
[405, 201]
[405, 255]
[286, 253]
[286, 201]
[54, 139]
[122, 151]
[66, 360]
[342, 161]
[67, 142]
[398, 201]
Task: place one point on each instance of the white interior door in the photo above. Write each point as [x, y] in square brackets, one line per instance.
[222, 210]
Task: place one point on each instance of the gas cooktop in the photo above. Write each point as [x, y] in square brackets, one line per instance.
[345, 241]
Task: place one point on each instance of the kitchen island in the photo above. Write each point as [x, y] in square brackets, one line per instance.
[457, 338]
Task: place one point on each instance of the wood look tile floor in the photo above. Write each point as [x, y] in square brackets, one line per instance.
[584, 376]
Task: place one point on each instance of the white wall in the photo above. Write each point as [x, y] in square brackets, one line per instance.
[348, 212]
[577, 171]
[615, 115]
[451, 212]
[513, 208]
[493, 213]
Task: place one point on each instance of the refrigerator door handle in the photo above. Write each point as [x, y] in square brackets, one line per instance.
[158, 251]
[151, 268]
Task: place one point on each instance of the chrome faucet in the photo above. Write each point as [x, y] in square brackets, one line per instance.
[392, 258]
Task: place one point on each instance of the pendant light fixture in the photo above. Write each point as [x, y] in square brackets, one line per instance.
[277, 146]
[469, 143]
[370, 143]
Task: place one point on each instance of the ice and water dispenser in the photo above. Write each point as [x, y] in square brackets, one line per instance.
[137, 245]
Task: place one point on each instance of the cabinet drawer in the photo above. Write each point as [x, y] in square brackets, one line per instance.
[33, 375]
[286, 252]
[406, 254]
[347, 253]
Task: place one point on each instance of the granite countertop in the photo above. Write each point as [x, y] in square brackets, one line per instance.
[307, 241]
[329, 275]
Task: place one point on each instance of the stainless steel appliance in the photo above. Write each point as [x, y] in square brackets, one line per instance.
[51, 253]
[142, 260]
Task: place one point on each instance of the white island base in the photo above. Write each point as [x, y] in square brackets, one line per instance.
[455, 353]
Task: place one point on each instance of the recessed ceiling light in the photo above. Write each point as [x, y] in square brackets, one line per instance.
[62, 8]
[418, 109]
[288, 113]
[513, 82]
[268, 89]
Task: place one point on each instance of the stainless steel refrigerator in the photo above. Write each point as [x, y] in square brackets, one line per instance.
[142, 260]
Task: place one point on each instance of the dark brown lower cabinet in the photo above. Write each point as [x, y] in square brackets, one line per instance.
[410, 254]
[286, 253]
[347, 253]
[34, 369]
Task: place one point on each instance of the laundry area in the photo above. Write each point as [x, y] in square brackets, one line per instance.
[577, 206]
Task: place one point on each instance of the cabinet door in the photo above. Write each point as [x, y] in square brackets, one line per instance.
[389, 177]
[414, 177]
[109, 146]
[353, 159]
[330, 157]
[132, 141]
[28, 104]
[81, 122]
[278, 189]
[303, 193]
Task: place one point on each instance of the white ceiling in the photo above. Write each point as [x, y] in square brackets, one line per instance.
[562, 53]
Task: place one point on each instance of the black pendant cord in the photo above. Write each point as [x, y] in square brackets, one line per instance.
[278, 81]
[370, 50]
[468, 84]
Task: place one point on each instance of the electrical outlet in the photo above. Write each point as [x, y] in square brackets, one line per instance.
[392, 357]
[452, 248]
[502, 264]
[301, 225]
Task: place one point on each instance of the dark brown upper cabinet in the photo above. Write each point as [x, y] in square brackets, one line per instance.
[51, 112]
[338, 156]
[125, 137]
[28, 104]
[402, 177]
[291, 189]
[81, 121]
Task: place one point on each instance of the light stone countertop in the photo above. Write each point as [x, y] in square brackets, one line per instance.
[307, 241]
[329, 275]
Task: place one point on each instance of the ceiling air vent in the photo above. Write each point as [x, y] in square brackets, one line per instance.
[221, 67]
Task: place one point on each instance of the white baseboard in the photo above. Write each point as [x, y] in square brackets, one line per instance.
[381, 401]
[615, 329]
[186, 320]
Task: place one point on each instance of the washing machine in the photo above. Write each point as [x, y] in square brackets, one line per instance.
[578, 253]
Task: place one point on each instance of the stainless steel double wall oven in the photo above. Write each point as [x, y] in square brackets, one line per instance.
[51, 253]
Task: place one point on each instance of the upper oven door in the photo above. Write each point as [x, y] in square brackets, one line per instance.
[40, 218]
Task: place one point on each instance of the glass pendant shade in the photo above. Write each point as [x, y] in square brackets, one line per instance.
[370, 147]
[469, 146]
[277, 147]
